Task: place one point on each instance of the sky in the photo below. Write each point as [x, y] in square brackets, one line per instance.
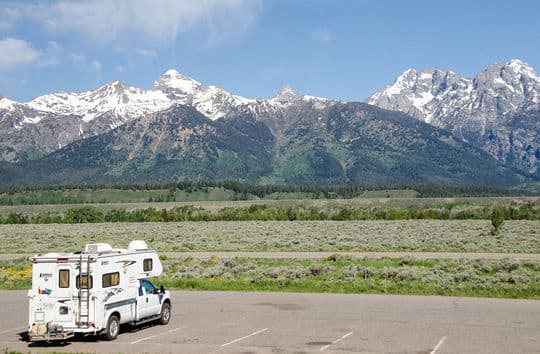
[342, 49]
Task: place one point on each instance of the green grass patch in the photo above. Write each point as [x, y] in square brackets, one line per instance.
[110, 195]
[390, 193]
[336, 274]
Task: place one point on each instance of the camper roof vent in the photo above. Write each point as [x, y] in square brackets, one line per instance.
[98, 248]
[137, 245]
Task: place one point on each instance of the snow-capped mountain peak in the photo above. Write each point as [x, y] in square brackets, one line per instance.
[175, 83]
[428, 93]
[286, 95]
[212, 101]
[522, 68]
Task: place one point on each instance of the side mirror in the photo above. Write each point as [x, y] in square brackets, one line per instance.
[161, 290]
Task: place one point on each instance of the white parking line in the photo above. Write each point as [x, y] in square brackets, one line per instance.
[438, 345]
[336, 341]
[156, 335]
[249, 335]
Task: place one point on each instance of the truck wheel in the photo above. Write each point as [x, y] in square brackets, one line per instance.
[113, 327]
[165, 314]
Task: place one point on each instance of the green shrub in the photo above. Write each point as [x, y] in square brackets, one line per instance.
[15, 218]
[85, 214]
[497, 219]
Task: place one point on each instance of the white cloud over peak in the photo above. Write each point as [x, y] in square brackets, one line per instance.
[16, 52]
[159, 21]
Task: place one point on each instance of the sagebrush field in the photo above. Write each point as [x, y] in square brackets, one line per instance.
[521, 236]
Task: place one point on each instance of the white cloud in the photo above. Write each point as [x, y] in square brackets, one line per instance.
[53, 44]
[96, 64]
[79, 58]
[146, 52]
[17, 52]
[321, 36]
[159, 21]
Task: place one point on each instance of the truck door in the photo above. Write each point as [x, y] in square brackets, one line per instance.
[149, 300]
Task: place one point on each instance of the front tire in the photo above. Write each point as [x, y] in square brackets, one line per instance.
[113, 327]
[165, 314]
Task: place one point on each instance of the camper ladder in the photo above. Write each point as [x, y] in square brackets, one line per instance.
[83, 317]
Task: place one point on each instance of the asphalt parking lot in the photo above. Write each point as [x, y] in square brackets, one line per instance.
[238, 322]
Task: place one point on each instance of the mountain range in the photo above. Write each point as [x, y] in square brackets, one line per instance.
[429, 127]
[498, 110]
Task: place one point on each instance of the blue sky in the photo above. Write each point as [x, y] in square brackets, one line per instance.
[331, 48]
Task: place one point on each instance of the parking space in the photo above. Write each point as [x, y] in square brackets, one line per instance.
[232, 322]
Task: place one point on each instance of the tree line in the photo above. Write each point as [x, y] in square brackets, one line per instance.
[245, 191]
[92, 214]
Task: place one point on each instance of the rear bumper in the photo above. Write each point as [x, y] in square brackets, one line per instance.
[50, 337]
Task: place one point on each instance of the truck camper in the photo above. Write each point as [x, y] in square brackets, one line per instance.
[94, 291]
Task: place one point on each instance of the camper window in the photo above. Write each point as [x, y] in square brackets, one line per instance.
[147, 265]
[87, 282]
[110, 279]
[63, 278]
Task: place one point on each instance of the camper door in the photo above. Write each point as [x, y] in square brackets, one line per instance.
[63, 294]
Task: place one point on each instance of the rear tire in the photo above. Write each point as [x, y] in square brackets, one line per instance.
[165, 314]
[113, 327]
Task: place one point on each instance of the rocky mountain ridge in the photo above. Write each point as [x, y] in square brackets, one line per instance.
[51, 121]
[488, 110]
[338, 143]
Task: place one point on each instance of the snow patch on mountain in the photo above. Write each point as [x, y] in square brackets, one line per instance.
[6, 103]
[115, 97]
